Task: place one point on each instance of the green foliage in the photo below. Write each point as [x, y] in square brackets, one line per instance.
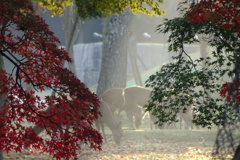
[87, 9]
[185, 82]
[55, 6]
[99, 8]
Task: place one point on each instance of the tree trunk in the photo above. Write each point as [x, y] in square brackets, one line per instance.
[70, 37]
[2, 99]
[204, 54]
[72, 28]
[116, 33]
[203, 47]
[133, 60]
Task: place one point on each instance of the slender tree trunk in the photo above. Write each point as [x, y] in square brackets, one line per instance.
[204, 54]
[2, 99]
[133, 60]
[116, 33]
[39, 11]
[203, 47]
[72, 28]
[70, 37]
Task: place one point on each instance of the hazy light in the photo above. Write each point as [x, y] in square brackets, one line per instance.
[146, 35]
[196, 37]
[98, 35]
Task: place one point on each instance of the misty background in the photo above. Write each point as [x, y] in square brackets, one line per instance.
[151, 47]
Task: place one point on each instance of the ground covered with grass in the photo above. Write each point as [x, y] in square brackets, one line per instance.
[145, 144]
[157, 145]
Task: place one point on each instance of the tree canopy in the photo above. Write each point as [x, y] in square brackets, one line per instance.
[187, 82]
[98, 8]
[68, 115]
[55, 6]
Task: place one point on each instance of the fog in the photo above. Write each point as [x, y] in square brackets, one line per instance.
[170, 141]
[151, 47]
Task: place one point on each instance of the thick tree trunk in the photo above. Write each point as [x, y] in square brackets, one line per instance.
[116, 33]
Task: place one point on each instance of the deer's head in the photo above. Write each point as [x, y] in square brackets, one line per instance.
[118, 133]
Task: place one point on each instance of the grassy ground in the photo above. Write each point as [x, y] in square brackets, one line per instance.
[145, 144]
[157, 145]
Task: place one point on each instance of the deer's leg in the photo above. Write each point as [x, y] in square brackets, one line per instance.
[180, 121]
[100, 126]
[138, 115]
[103, 132]
[130, 118]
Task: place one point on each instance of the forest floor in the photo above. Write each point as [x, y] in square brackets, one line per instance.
[144, 144]
[157, 145]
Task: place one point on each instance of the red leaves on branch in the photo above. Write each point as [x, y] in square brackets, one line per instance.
[68, 116]
[231, 91]
[224, 91]
[225, 13]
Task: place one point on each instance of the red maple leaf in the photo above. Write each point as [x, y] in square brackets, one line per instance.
[67, 116]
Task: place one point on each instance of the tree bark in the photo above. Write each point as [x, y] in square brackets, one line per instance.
[72, 28]
[2, 99]
[133, 60]
[116, 33]
[203, 47]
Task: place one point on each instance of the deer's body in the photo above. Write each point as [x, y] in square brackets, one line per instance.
[114, 98]
[135, 97]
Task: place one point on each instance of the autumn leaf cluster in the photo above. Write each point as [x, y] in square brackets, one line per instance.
[67, 115]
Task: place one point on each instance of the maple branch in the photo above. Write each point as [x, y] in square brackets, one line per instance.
[18, 68]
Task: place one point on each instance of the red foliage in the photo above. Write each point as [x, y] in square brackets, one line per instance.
[225, 13]
[231, 91]
[67, 116]
[224, 91]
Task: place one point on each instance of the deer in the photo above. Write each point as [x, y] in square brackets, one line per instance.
[114, 98]
[186, 116]
[131, 100]
[108, 119]
[135, 97]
